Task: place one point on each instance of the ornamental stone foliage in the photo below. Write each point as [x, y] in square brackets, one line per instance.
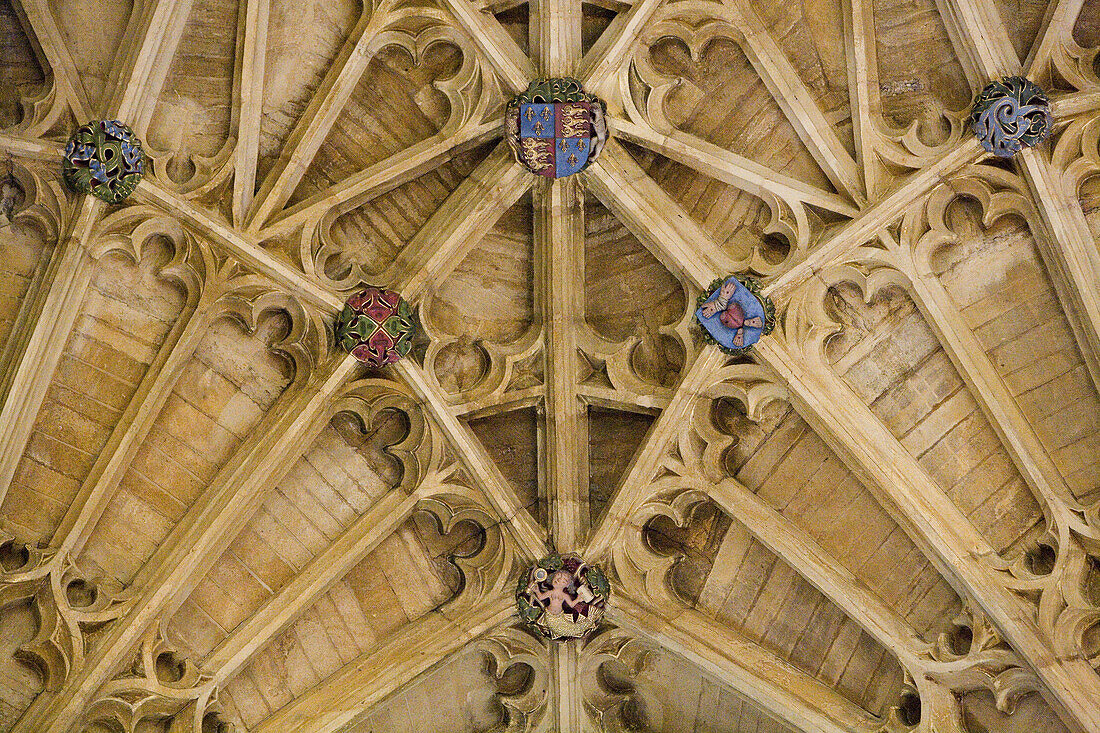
[563, 597]
[555, 128]
[376, 327]
[734, 314]
[104, 159]
[1011, 114]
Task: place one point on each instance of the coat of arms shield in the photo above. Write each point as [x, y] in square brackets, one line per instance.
[735, 314]
[555, 128]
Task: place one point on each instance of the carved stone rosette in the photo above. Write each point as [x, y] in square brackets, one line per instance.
[734, 314]
[104, 158]
[555, 128]
[376, 327]
[1011, 114]
[563, 597]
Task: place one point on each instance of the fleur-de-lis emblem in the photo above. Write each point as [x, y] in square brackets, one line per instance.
[542, 125]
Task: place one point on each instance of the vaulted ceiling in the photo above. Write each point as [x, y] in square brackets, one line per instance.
[885, 519]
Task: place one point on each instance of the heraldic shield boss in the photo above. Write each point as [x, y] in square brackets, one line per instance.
[555, 128]
[734, 314]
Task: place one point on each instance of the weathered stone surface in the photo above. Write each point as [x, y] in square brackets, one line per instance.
[800, 540]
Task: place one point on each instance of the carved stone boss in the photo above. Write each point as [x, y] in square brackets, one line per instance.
[376, 327]
[734, 314]
[563, 597]
[1011, 114]
[555, 128]
[104, 158]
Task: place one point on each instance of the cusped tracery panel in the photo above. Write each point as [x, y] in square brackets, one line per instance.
[482, 321]
[997, 278]
[489, 295]
[468, 693]
[20, 683]
[732, 577]
[304, 38]
[95, 54]
[357, 459]
[721, 98]
[234, 378]
[789, 466]
[625, 285]
[920, 76]
[394, 106]
[743, 225]
[1032, 714]
[192, 127]
[626, 683]
[21, 76]
[811, 34]
[125, 319]
[408, 575]
[26, 242]
[632, 303]
[888, 354]
[362, 240]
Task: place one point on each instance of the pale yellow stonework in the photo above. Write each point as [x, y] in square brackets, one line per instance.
[885, 519]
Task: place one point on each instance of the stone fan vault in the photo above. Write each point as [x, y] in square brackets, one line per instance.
[883, 517]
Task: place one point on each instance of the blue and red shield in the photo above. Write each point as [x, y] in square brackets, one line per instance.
[555, 138]
[735, 314]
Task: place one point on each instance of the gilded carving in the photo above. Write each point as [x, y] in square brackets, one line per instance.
[555, 128]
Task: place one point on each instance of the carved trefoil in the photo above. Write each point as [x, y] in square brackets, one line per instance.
[68, 606]
[161, 688]
[555, 128]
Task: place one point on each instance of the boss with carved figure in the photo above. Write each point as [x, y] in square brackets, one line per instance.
[555, 128]
[563, 597]
[734, 314]
[376, 326]
[1010, 115]
[104, 159]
